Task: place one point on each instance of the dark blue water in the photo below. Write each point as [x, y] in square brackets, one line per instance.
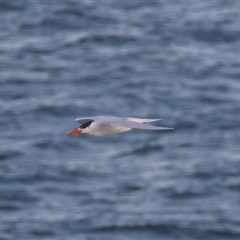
[177, 60]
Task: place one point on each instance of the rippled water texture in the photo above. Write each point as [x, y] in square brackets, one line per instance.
[175, 60]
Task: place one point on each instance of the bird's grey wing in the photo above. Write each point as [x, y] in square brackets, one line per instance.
[114, 118]
[131, 124]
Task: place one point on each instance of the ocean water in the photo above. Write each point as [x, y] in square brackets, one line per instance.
[174, 60]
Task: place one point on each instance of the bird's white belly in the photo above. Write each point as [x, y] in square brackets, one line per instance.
[105, 129]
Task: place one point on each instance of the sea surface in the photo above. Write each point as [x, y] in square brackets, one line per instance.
[174, 60]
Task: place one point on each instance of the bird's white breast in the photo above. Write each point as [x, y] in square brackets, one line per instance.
[101, 129]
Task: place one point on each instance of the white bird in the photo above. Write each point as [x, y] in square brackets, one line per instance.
[105, 125]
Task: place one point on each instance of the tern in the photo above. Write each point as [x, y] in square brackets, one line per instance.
[106, 125]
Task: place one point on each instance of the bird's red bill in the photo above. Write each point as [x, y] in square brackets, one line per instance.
[74, 132]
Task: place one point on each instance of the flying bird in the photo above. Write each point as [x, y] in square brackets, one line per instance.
[106, 125]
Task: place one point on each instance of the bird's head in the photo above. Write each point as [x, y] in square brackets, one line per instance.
[82, 128]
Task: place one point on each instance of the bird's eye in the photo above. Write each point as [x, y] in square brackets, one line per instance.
[86, 124]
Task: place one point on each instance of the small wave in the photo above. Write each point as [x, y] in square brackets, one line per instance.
[18, 195]
[142, 149]
[176, 229]
[11, 6]
[163, 228]
[174, 193]
[224, 233]
[233, 183]
[50, 144]
[42, 232]
[214, 35]
[111, 37]
[55, 110]
[5, 155]
[9, 207]
[130, 187]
